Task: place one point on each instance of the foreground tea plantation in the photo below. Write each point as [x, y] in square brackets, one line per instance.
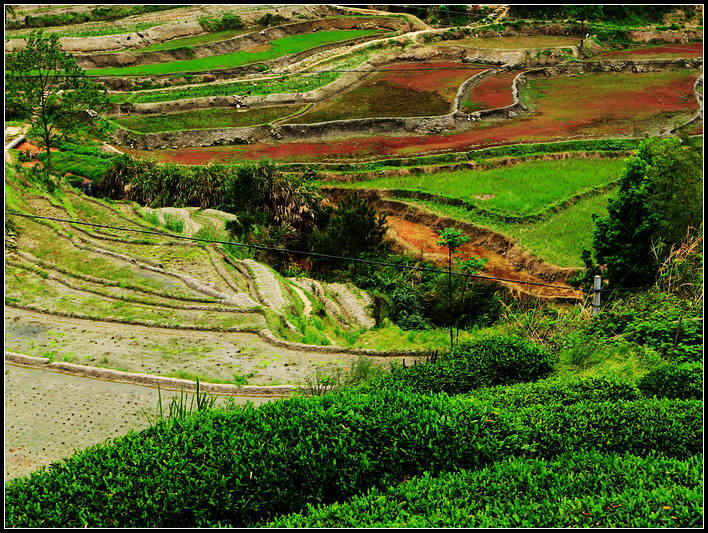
[332, 266]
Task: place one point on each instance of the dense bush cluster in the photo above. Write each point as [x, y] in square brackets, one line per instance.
[683, 381]
[487, 362]
[228, 21]
[664, 322]
[555, 391]
[242, 467]
[584, 489]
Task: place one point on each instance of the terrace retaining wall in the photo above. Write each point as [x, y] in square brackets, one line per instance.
[699, 98]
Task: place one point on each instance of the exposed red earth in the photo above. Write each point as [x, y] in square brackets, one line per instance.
[438, 79]
[678, 50]
[424, 239]
[590, 106]
[492, 92]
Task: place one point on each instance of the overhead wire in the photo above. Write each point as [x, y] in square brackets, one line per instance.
[289, 251]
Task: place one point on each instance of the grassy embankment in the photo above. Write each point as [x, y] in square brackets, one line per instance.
[277, 48]
[272, 84]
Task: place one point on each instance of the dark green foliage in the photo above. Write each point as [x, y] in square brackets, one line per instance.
[238, 468]
[76, 17]
[586, 489]
[670, 324]
[402, 292]
[228, 21]
[269, 19]
[353, 229]
[659, 198]
[557, 391]
[486, 362]
[683, 382]
[616, 13]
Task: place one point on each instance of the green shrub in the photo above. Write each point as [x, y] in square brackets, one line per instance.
[228, 21]
[584, 489]
[174, 223]
[241, 467]
[269, 19]
[558, 391]
[684, 381]
[500, 360]
[667, 323]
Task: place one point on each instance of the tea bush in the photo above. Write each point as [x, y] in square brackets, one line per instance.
[500, 360]
[558, 391]
[247, 465]
[237, 467]
[684, 381]
[584, 489]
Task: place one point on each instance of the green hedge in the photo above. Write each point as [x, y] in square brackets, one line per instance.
[485, 362]
[558, 391]
[238, 468]
[585, 489]
[683, 381]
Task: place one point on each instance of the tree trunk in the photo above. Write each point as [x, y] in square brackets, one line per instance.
[449, 288]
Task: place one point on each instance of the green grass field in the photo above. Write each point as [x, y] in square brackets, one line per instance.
[278, 48]
[263, 86]
[558, 239]
[519, 190]
[206, 119]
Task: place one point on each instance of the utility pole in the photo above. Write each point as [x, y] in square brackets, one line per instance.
[596, 295]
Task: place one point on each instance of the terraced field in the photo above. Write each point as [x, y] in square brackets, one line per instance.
[204, 119]
[400, 90]
[279, 47]
[133, 309]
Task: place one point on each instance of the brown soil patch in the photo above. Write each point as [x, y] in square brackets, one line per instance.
[421, 238]
[259, 48]
[26, 146]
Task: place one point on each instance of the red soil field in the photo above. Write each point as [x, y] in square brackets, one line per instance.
[424, 239]
[678, 50]
[444, 77]
[590, 106]
[491, 93]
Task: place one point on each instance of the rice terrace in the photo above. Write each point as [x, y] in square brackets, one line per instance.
[353, 266]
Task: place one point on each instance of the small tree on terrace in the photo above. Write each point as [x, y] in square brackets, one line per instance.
[47, 86]
[453, 239]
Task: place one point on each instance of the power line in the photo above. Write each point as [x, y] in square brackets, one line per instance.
[285, 250]
[275, 74]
